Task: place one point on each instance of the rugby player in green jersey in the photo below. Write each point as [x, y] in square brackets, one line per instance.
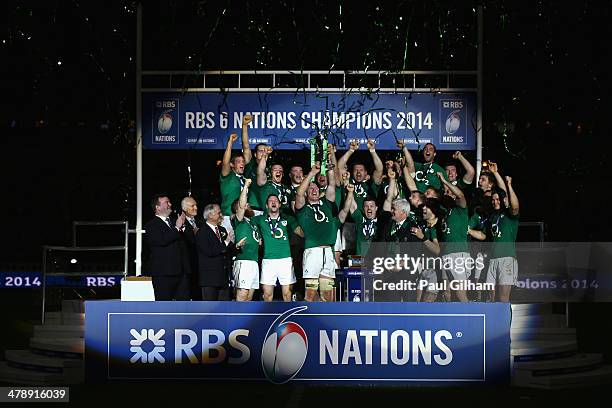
[276, 228]
[274, 186]
[429, 237]
[231, 180]
[250, 167]
[296, 175]
[318, 219]
[455, 251]
[364, 184]
[503, 267]
[424, 173]
[416, 199]
[246, 267]
[394, 166]
[367, 217]
[453, 175]
[488, 179]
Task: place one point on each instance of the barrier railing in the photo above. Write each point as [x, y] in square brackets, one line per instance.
[76, 248]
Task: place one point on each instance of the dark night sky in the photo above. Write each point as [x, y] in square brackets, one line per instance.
[68, 80]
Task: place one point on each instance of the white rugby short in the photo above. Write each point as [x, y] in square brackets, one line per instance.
[277, 269]
[503, 271]
[428, 277]
[246, 274]
[457, 262]
[318, 261]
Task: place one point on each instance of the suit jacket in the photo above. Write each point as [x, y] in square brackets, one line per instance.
[189, 237]
[401, 235]
[213, 257]
[167, 254]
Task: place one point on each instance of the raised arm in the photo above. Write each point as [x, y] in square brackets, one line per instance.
[330, 192]
[498, 178]
[300, 194]
[409, 179]
[391, 192]
[242, 201]
[349, 204]
[378, 164]
[353, 147]
[460, 200]
[262, 179]
[333, 163]
[407, 156]
[246, 149]
[227, 156]
[514, 202]
[470, 172]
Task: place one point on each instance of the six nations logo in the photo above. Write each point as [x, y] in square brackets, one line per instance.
[285, 348]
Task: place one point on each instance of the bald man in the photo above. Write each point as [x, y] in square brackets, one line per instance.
[193, 223]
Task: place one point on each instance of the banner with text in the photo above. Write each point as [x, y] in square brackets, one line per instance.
[354, 343]
[288, 120]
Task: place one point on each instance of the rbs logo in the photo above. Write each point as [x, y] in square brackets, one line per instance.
[452, 104]
[296, 343]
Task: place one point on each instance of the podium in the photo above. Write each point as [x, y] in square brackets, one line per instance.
[137, 288]
[355, 285]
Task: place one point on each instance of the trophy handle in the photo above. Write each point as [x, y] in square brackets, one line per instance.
[319, 150]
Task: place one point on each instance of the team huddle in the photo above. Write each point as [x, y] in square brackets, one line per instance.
[269, 232]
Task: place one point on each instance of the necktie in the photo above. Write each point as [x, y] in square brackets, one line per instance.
[168, 222]
[395, 228]
[193, 225]
[218, 233]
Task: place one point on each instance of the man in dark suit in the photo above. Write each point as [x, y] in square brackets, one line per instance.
[214, 253]
[193, 223]
[397, 224]
[396, 228]
[168, 263]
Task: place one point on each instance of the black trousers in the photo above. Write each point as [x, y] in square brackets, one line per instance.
[297, 251]
[171, 287]
[215, 293]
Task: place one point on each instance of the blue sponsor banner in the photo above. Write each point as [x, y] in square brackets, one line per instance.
[288, 120]
[350, 343]
[30, 279]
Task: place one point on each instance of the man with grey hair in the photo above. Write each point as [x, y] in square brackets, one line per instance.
[398, 224]
[214, 246]
[193, 223]
[396, 227]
